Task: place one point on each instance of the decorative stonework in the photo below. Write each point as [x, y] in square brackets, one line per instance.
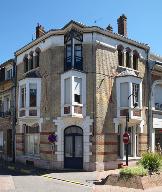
[62, 123]
[30, 122]
[127, 72]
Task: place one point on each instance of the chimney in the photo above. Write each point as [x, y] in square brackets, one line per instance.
[39, 31]
[109, 28]
[122, 25]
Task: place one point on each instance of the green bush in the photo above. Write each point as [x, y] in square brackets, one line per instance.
[133, 171]
[151, 161]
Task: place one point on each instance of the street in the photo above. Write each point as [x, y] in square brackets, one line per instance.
[17, 181]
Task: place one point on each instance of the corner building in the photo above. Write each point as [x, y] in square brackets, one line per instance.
[79, 82]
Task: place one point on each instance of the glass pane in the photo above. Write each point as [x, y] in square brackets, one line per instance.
[68, 146]
[78, 146]
[67, 91]
[33, 95]
[124, 90]
[36, 144]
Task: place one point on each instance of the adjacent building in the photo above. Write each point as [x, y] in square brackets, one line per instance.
[7, 108]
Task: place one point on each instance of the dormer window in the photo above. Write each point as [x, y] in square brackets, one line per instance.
[73, 50]
[120, 55]
[128, 58]
[135, 60]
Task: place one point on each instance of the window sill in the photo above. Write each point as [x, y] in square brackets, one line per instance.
[123, 67]
[32, 156]
[129, 158]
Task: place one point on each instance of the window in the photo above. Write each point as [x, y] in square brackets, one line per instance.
[73, 45]
[29, 97]
[135, 93]
[78, 57]
[68, 57]
[9, 74]
[1, 140]
[6, 104]
[31, 61]
[77, 89]
[37, 57]
[135, 60]
[128, 59]
[67, 91]
[32, 140]
[26, 64]
[23, 97]
[73, 93]
[33, 95]
[124, 91]
[120, 55]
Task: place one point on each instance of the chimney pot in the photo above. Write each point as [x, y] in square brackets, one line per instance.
[39, 30]
[109, 28]
[122, 25]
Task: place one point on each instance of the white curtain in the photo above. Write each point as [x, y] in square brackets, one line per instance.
[67, 91]
[124, 91]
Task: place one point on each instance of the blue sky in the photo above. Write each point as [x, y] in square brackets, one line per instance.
[19, 18]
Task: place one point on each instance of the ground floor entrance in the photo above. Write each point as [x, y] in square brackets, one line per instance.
[73, 148]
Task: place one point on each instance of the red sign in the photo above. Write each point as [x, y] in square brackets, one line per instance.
[126, 138]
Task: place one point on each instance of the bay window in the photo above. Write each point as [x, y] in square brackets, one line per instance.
[73, 93]
[29, 97]
[129, 95]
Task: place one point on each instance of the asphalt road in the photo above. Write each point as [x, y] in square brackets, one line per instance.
[15, 181]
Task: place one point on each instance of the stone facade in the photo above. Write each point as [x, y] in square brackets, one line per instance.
[102, 125]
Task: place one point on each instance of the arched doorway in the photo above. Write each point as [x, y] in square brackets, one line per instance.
[73, 147]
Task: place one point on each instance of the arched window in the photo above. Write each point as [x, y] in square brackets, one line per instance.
[135, 59]
[31, 61]
[128, 57]
[26, 68]
[37, 57]
[120, 55]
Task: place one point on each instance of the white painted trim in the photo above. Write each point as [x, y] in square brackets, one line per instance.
[26, 82]
[64, 122]
[106, 45]
[71, 74]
